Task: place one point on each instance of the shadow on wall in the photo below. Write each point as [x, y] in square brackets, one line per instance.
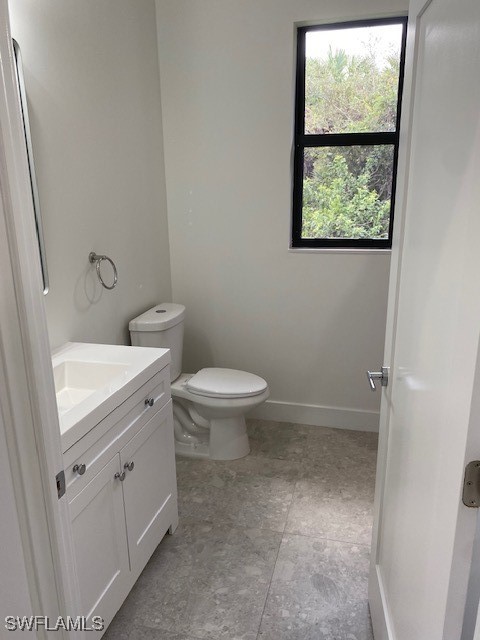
[88, 290]
[196, 341]
[89, 293]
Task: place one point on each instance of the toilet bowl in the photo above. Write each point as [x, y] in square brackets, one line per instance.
[209, 407]
[209, 410]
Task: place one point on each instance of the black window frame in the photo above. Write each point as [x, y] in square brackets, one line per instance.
[303, 140]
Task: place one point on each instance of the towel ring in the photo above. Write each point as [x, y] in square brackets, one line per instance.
[94, 258]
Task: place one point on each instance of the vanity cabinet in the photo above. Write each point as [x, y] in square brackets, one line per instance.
[121, 488]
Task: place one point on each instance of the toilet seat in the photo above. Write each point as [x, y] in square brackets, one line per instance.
[225, 383]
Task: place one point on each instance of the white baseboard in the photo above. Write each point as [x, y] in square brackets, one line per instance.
[321, 416]
[379, 612]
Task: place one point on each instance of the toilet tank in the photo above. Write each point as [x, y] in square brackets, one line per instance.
[161, 326]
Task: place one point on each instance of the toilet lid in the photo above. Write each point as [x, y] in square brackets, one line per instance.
[226, 383]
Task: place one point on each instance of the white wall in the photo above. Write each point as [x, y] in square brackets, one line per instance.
[310, 323]
[91, 72]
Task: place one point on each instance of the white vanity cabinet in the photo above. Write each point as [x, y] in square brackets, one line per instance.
[121, 488]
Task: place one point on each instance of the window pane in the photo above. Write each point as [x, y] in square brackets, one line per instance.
[347, 191]
[351, 79]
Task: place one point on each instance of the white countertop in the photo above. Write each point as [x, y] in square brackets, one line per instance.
[92, 392]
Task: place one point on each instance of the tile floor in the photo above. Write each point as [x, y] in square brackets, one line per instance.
[271, 547]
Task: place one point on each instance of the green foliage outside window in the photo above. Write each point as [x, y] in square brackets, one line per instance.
[347, 190]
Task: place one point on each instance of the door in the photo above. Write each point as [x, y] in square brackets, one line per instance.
[28, 404]
[430, 416]
[100, 543]
[150, 486]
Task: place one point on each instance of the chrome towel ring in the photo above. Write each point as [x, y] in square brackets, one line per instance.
[94, 258]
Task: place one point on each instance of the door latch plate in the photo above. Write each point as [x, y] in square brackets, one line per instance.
[60, 480]
[471, 485]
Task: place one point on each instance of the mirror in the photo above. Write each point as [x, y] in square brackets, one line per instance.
[31, 165]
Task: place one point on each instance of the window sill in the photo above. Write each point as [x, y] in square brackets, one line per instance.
[348, 250]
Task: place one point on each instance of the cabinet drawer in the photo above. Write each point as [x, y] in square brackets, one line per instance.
[111, 434]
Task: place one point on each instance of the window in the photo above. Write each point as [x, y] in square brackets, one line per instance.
[348, 97]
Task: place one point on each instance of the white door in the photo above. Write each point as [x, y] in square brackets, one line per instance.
[430, 417]
[100, 543]
[28, 404]
[149, 489]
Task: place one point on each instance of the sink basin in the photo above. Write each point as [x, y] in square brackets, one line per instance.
[91, 380]
[76, 380]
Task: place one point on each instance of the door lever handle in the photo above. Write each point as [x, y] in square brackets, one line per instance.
[378, 375]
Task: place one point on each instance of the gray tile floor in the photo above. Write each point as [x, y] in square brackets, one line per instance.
[271, 547]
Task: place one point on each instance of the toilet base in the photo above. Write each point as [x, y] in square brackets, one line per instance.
[191, 450]
[228, 441]
[228, 438]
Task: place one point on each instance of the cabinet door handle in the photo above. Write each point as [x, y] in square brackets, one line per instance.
[79, 468]
[129, 465]
[120, 476]
[149, 402]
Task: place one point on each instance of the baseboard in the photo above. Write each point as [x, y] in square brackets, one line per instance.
[321, 416]
[379, 612]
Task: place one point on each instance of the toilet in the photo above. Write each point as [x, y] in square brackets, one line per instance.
[209, 406]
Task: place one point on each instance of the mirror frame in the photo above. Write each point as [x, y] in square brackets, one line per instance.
[31, 164]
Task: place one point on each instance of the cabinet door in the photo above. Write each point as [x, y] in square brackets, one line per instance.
[100, 542]
[150, 488]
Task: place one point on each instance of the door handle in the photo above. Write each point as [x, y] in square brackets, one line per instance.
[129, 465]
[378, 375]
[120, 476]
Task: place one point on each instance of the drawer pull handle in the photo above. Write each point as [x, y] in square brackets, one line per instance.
[149, 402]
[79, 468]
[120, 476]
[129, 465]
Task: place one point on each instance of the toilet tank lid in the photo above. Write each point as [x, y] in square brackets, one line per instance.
[158, 318]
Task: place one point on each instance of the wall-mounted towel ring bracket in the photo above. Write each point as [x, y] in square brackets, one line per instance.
[97, 260]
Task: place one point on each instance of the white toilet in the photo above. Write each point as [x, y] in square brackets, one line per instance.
[209, 407]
